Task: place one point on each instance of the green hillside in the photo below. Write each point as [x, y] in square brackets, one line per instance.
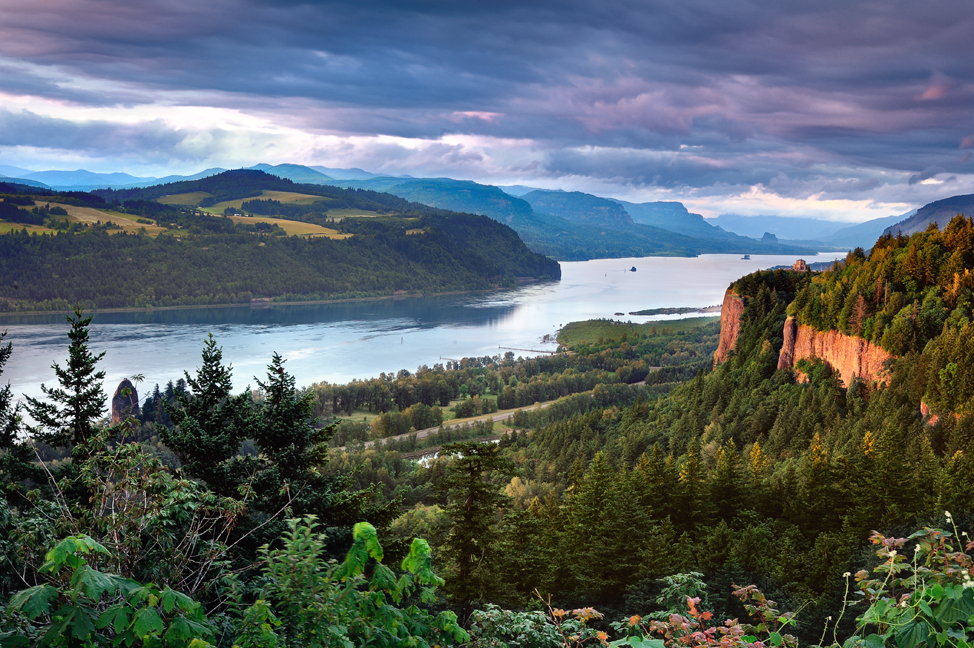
[570, 226]
[351, 243]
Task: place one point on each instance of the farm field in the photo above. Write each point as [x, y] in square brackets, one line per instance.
[33, 229]
[91, 216]
[339, 214]
[280, 196]
[293, 228]
[186, 199]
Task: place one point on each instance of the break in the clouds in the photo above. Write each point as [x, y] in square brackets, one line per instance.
[847, 110]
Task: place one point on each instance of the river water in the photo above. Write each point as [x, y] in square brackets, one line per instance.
[340, 342]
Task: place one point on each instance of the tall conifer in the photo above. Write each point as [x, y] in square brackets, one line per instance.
[70, 413]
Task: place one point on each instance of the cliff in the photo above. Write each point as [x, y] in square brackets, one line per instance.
[847, 355]
[730, 325]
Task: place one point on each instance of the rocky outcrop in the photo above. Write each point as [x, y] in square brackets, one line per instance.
[846, 354]
[730, 325]
[125, 402]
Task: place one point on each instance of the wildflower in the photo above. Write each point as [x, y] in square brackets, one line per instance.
[602, 636]
[948, 516]
[892, 553]
[846, 575]
[633, 620]
[916, 549]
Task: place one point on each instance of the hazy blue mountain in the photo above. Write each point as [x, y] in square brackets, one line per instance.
[781, 226]
[578, 207]
[517, 190]
[673, 216]
[295, 173]
[13, 172]
[23, 181]
[939, 212]
[864, 235]
[569, 226]
[81, 178]
[345, 174]
[172, 178]
[446, 193]
[196, 176]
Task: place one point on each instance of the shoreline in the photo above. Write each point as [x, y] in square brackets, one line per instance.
[253, 304]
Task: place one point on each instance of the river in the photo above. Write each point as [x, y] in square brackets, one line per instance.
[340, 342]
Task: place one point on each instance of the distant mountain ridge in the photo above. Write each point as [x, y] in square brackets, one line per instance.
[939, 212]
[570, 225]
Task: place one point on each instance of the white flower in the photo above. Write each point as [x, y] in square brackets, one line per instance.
[845, 575]
[947, 514]
[892, 552]
[916, 549]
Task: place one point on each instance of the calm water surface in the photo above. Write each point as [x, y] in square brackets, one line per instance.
[339, 342]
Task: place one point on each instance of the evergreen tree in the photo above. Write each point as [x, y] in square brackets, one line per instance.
[473, 505]
[727, 483]
[599, 544]
[70, 414]
[209, 424]
[9, 411]
[285, 429]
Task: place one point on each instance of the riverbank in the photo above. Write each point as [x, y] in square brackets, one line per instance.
[253, 303]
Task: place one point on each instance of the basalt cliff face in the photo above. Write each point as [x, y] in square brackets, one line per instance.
[730, 325]
[847, 355]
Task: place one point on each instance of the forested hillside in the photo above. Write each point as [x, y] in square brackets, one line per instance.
[185, 256]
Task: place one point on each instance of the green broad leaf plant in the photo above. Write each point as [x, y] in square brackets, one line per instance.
[83, 606]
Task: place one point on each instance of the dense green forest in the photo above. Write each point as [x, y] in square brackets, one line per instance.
[733, 505]
[206, 259]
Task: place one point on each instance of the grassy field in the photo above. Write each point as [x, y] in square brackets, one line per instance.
[91, 216]
[590, 331]
[280, 196]
[293, 228]
[34, 229]
[186, 199]
[339, 214]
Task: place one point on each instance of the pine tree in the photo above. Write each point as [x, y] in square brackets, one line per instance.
[209, 423]
[727, 483]
[473, 506]
[693, 497]
[285, 429]
[9, 411]
[71, 411]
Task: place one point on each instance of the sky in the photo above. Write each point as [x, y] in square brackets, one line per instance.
[842, 110]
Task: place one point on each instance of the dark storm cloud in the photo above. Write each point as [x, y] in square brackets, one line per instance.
[698, 94]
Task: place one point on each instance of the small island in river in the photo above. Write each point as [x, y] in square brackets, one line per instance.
[677, 311]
